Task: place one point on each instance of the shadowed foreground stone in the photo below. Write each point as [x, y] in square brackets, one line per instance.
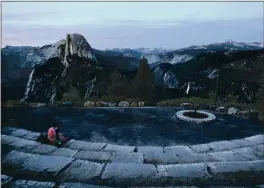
[82, 171]
[35, 166]
[32, 184]
[129, 174]
[182, 174]
[237, 173]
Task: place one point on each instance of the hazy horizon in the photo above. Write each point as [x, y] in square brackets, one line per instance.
[132, 24]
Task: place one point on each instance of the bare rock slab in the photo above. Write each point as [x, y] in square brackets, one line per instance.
[82, 171]
[65, 152]
[183, 174]
[240, 173]
[127, 157]
[32, 184]
[93, 155]
[37, 166]
[128, 174]
[119, 148]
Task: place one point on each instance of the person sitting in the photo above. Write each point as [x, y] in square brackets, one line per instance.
[54, 135]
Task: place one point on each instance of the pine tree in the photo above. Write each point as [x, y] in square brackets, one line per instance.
[119, 84]
[71, 94]
[143, 86]
[260, 93]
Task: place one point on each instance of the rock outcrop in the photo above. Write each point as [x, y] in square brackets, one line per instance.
[46, 81]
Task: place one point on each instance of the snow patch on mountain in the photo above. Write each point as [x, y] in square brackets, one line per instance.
[152, 58]
[180, 58]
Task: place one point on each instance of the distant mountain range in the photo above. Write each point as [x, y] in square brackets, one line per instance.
[31, 72]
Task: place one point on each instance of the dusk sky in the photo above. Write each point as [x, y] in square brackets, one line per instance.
[132, 24]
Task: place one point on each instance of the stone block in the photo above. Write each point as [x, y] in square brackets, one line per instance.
[32, 184]
[32, 136]
[237, 173]
[128, 174]
[5, 180]
[243, 142]
[35, 166]
[44, 149]
[127, 157]
[149, 149]
[226, 156]
[178, 150]
[119, 148]
[8, 130]
[161, 158]
[83, 145]
[82, 171]
[80, 185]
[64, 152]
[257, 139]
[214, 146]
[182, 174]
[19, 132]
[93, 155]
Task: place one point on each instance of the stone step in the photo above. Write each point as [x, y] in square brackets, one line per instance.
[41, 167]
[92, 146]
[146, 154]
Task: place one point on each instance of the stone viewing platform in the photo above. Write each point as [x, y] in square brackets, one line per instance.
[28, 163]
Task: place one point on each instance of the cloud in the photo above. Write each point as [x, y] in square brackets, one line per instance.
[135, 33]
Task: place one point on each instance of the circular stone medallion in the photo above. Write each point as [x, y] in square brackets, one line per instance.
[207, 116]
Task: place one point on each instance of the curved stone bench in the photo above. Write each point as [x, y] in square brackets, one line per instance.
[218, 163]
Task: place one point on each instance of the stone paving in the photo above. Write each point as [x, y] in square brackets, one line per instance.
[28, 163]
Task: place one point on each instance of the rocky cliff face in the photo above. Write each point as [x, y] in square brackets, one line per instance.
[165, 76]
[45, 80]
